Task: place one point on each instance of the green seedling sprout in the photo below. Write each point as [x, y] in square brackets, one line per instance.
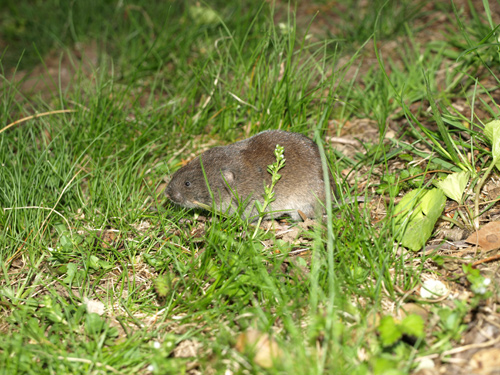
[492, 131]
[273, 169]
[453, 186]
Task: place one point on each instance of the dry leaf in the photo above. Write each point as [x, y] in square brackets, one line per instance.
[486, 361]
[487, 238]
[261, 346]
[187, 349]
[94, 306]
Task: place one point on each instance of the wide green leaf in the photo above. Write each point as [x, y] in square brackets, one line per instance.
[390, 332]
[454, 184]
[416, 216]
[413, 325]
[492, 131]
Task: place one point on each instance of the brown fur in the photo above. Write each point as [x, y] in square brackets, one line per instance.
[240, 169]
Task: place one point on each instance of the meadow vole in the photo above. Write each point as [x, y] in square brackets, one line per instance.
[240, 169]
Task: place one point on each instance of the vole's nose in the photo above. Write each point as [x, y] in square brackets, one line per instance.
[174, 196]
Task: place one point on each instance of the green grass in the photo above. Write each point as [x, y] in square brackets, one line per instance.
[83, 218]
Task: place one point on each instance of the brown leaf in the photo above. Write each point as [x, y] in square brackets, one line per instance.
[187, 349]
[262, 347]
[487, 238]
[486, 361]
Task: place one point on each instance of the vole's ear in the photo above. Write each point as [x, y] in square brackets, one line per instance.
[228, 175]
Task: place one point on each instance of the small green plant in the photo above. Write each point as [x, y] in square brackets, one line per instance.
[479, 283]
[492, 132]
[453, 186]
[395, 349]
[414, 175]
[389, 184]
[416, 215]
[391, 330]
[392, 183]
[451, 323]
[273, 169]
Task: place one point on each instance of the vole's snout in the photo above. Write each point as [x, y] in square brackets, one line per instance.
[174, 196]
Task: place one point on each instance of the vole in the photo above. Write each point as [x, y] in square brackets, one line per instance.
[240, 169]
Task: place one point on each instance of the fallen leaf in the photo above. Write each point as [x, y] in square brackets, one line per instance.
[262, 347]
[426, 366]
[487, 238]
[187, 349]
[486, 362]
[94, 306]
[426, 371]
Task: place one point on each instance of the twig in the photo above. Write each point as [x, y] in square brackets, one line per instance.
[485, 260]
[342, 140]
[298, 251]
[464, 348]
[90, 362]
[243, 102]
[36, 116]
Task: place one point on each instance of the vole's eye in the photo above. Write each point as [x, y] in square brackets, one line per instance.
[187, 183]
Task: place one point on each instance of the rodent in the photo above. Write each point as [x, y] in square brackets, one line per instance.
[241, 168]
